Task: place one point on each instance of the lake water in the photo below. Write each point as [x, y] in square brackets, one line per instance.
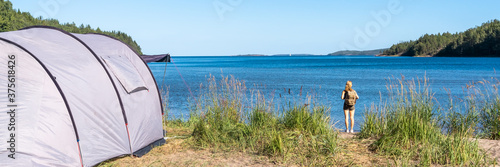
[324, 77]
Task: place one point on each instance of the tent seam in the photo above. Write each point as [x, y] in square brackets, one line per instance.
[58, 88]
[146, 64]
[102, 65]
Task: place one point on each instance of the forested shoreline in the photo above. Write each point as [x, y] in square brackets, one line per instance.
[481, 41]
[11, 20]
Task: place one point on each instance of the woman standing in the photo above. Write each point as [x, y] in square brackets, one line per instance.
[349, 96]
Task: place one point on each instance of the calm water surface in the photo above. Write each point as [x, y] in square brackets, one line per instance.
[323, 77]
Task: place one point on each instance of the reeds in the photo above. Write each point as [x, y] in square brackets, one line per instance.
[478, 114]
[490, 119]
[484, 97]
[231, 117]
[409, 128]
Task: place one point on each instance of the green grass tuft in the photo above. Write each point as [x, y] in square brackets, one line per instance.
[227, 120]
[410, 128]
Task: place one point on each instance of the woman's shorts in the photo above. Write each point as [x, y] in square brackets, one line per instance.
[348, 107]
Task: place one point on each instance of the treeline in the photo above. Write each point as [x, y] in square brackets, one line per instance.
[483, 40]
[11, 20]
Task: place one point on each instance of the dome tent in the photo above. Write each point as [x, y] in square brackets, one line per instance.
[74, 99]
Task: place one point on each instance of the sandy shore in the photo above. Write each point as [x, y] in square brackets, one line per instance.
[345, 135]
[492, 147]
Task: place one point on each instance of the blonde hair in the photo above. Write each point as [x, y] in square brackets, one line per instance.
[348, 86]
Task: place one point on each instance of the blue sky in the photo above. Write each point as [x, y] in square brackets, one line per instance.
[231, 27]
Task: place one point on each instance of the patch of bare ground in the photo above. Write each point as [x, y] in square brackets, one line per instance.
[176, 153]
[352, 152]
[492, 147]
[356, 152]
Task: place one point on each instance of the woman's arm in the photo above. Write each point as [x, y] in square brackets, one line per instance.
[343, 93]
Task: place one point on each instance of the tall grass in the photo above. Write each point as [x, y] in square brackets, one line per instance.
[409, 127]
[461, 117]
[478, 115]
[485, 98]
[490, 119]
[231, 117]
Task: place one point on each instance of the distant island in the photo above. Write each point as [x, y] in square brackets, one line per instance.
[278, 55]
[296, 55]
[481, 41]
[357, 52]
[251, 55]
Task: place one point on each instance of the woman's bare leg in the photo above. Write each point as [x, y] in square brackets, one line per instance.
[352, 119]
[346, 113]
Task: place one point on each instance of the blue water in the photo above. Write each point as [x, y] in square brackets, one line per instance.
[323, 77]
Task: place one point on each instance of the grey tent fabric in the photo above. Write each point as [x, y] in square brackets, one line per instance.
[71, 107]
[125, 72]
[142, 109]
